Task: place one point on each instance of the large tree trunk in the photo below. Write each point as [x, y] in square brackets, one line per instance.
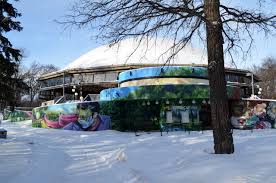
[222, 132]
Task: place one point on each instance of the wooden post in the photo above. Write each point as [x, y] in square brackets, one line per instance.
[63, 86]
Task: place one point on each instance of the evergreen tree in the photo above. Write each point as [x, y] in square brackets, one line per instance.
[9, 56]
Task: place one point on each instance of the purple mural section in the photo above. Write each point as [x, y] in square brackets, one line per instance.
[253, 114]
[84, 116]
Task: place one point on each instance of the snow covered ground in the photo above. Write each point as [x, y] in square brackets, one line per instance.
[31, 155]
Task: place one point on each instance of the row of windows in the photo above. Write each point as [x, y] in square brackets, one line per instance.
[237, 78]
[81, 78]
[112, 76]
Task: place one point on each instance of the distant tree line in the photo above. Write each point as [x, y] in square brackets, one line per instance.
[267, 73]
[30, 75]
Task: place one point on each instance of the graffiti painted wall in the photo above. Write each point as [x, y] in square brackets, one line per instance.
[122, 115]
[256, 114]
[83, 116]
[156, 92]
[17, 115]
[150, 114]
[130, 115]
[170, 82]
[164, 72]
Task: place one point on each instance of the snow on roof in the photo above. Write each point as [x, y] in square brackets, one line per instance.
[131, 51]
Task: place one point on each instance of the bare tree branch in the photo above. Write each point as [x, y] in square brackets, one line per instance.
[178, 19]
[182, 21]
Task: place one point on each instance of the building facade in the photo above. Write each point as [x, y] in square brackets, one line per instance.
[134, 90]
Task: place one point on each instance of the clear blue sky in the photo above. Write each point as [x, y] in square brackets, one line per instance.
[45, 41]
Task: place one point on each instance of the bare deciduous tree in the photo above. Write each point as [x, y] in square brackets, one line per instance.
[31, 74]
[267, 73]
[181, 20]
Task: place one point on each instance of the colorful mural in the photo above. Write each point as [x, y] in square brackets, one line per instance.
[163, 92]
[168, 82]
[258, 114]
[17, 115]
[82, 116]
[165, 71]
[165, 81]
[131, 115]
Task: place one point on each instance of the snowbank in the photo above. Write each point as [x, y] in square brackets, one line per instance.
[48, 155]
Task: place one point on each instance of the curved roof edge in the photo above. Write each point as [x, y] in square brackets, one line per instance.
[128, 67]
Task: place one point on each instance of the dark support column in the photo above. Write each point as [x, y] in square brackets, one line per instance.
[63, 87]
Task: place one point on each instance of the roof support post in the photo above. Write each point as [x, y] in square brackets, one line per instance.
[63, 86]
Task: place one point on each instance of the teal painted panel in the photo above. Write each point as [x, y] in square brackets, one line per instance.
[17, 115]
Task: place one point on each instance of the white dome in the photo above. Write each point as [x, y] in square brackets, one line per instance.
[130, 51]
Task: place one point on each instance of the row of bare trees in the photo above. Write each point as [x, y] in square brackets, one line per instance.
[267, 73]
[30, 75]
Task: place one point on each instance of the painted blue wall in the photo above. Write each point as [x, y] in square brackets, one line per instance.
[169, 71]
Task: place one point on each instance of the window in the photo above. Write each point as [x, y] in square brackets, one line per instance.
[112, 76]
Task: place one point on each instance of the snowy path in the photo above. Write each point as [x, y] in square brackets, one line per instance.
[54, 156]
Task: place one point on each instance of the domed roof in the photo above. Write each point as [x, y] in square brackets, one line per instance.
[132, 51]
